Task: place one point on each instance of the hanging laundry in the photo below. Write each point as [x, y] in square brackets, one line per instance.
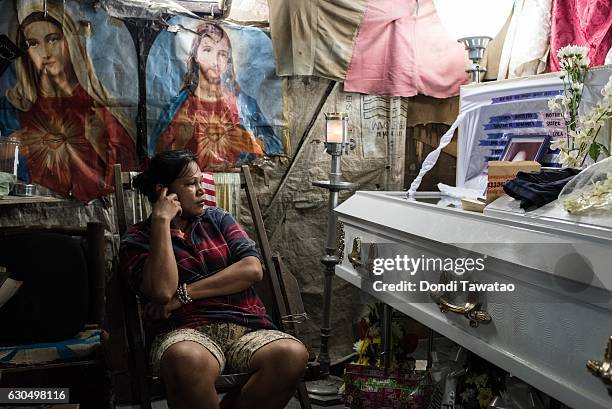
[403, 50]
[581, 22]
[314, 37]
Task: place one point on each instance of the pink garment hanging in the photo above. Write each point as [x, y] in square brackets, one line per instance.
[581, 22]
[402, 49]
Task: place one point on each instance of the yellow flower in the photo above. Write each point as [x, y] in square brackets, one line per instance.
[484, 397]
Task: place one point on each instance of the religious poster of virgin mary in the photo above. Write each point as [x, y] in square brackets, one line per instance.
[69, 100]
[212, 89]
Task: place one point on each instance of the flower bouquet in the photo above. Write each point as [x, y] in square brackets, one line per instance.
[582, 130]
[369, 345]
[401, 386]
[590, 191]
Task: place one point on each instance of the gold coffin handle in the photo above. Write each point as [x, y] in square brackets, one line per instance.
[603, 369]
[355, 256]
[470, 310]
[372, 255]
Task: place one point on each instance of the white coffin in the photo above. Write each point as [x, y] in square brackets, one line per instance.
[559, 315]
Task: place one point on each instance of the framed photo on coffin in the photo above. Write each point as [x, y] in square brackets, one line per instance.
[527, 147]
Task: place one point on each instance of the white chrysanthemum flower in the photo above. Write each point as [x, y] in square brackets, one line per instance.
[587, 124]
[599, 110]
[606, 91]
[572, 50]
[598, 197]
[577, 86]
[574, 154]
[558, 143]
[582, 138]
[570, 159]
[566, 102]
[553, 105]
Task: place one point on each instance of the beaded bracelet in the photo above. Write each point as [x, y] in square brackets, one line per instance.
[181, 294]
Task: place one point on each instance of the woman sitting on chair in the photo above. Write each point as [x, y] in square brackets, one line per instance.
[196, 266]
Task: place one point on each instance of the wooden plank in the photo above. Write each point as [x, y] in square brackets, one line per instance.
[131, 307]
[13, 230]
[273, 276]
[119, 200]
[302, 395]
[266, 251]
[27, 368]
[17, 200]
[96, 249]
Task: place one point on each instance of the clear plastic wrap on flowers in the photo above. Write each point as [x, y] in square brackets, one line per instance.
[590, 191]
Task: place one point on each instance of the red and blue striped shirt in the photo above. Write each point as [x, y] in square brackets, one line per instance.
[215, 241]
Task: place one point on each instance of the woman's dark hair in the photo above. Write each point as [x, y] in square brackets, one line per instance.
[164, 168]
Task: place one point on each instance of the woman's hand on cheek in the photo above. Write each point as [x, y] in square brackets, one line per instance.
[167, 206]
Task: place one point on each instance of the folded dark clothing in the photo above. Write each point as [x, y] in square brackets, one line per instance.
[535, 189]
[548, 175]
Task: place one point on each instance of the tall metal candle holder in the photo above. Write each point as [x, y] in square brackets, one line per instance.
[325, 390]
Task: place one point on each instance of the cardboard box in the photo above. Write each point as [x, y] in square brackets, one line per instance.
[502, 171]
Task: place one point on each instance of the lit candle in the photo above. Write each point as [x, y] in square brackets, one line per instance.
[336, 127]
[334, 131]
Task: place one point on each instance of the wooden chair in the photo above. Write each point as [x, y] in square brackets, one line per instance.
[130, 376]
[85, 376]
